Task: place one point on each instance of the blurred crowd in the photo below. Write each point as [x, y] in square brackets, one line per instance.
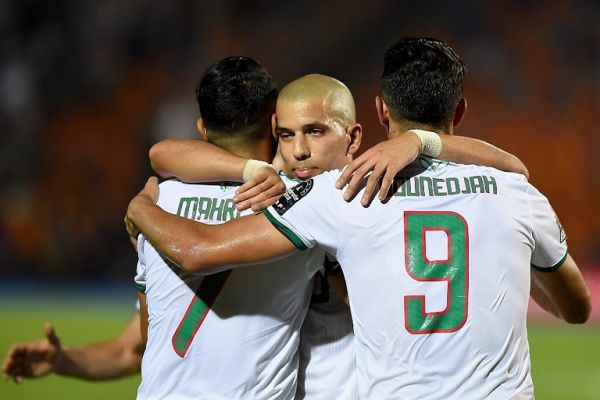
[86, 87]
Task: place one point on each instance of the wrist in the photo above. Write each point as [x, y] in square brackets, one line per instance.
[251, 168]
[431, 143]
[60, 364]
[418, 143]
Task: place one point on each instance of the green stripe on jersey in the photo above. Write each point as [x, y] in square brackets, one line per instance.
[553, 267]
[141, 288]
[287, 232]
[206, 294]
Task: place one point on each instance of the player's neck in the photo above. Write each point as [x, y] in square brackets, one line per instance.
[399, 127]
[261, 149]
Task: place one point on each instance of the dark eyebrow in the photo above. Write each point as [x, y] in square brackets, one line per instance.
[305, 127]
[279, 130]
[316, 125]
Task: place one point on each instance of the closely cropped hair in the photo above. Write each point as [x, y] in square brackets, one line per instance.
[422, 81]
[235, 95]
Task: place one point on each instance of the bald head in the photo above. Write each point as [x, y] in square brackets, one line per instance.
[334, 96]
[315, 124]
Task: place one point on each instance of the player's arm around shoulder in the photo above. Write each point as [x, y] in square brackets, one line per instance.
[466, 150]
[197, 247]
[240, 242]
[384, 160]
[195, 161]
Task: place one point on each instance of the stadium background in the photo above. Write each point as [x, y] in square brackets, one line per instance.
[86, 87]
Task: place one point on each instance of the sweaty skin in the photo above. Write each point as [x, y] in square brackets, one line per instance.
[316, 126]
[334, 96]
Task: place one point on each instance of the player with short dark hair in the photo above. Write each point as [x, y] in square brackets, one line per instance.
[233, 334]
[236, 98]
[422, 81]
[438, 276]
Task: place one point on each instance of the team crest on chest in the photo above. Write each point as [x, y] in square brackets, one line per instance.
[293, 195]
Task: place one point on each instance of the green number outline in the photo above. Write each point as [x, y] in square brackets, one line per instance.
[456, 273]
[203, 299]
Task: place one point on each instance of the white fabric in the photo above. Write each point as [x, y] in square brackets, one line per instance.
[484, 353]
[327, 367]
[327, 353]
[246, 346]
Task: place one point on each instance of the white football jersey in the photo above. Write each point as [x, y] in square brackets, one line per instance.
[327, 354]
[327, 367]
[438, 278]
[230, 335]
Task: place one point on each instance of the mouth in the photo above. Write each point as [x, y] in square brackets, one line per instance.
[305, 172]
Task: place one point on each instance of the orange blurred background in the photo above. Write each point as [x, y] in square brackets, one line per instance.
[87, 87]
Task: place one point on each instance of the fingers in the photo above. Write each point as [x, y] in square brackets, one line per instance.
[13, 365]
[6, 363]
[357, 181]
[264, 204]
[247, 191]
[349, 170]
[151, 189]
[51, 334]
[385, 160]
[259, 201]
[260, 191]
[386, 183]
[372, 184]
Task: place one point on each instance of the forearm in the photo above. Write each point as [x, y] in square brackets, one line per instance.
[195, 161]
[542, 298]
[101, 361]
[466, 150]
[171, 235]
[197, 247]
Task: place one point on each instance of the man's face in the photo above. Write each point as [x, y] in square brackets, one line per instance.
[310, 141]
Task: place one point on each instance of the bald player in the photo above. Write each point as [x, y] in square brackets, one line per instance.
[438, 297]
[316, 127]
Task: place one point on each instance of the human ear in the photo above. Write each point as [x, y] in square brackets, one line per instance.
[382, 112]
[354, 135]
[274, 126]
[201, 128]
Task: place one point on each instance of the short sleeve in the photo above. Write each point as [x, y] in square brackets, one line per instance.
[308, 213]
[550, 240]
[140, 274]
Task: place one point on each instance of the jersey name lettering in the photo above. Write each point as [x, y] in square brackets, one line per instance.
[422, 186]
[207, 208]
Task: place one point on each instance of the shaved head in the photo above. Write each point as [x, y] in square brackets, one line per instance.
[334, 96]
[315, 124]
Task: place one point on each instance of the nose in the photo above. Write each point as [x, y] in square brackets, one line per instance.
[301, 148]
